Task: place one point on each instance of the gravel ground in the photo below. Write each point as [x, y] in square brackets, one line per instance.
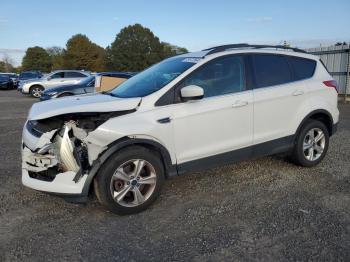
[265, 209]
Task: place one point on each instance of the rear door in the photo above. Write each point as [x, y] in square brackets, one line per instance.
[277, 97]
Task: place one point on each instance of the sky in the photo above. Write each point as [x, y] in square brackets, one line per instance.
[192, 24]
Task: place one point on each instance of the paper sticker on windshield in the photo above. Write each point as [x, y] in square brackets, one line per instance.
[194, 60]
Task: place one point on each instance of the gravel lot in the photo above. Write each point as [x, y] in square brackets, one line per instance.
[265, 209]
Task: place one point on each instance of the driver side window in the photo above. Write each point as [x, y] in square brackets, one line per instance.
[221, 76]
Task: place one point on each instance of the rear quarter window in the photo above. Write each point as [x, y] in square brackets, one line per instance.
[303, 68]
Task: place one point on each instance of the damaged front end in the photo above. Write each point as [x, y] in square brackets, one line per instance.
[55, 151]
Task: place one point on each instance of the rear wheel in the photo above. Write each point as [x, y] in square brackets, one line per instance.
[35, 91]
[311, 145]
[130, 180]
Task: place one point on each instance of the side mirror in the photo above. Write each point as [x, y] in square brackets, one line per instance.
[49, 78]
[192, 92]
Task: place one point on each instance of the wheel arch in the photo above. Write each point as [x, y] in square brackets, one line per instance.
[170, 169]
[35, 85]
[321, 115]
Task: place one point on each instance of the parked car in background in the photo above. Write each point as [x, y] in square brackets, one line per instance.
[85, 86]
[13, 77]
[26, 75]
[6, 82]
[62, 77]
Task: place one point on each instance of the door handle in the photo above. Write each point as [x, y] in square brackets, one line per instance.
[164, 120]
[240, 104]
[298, 93]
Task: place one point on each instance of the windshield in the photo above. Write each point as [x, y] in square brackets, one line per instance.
[4, 77]
[28, 75]
[154, 78]
[85, 81]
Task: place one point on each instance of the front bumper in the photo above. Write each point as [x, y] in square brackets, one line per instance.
[62, 183]
[43, 171]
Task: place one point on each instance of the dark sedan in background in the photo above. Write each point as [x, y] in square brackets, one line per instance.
[85, 86]
[6, 81]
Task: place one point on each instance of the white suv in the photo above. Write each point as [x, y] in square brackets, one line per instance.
[187, 113]
[35, 87]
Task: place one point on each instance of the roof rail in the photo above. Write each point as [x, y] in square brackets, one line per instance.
[216, 49]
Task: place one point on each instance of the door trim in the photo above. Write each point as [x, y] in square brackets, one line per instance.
[280, 145]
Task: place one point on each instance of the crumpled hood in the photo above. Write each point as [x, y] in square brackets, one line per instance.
[80, 104]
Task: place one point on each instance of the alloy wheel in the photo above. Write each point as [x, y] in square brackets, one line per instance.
[133, 183]
[36, 92]
[314, 144]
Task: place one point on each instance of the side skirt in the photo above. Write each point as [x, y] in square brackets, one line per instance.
[280, 145]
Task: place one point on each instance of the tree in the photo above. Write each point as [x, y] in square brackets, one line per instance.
[6, 64]
[56, 54]
[36, 58]
[171, 50]
[81, 53]
[134, 49]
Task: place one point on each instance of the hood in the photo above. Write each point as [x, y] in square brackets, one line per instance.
[30, 80]
[81, 104]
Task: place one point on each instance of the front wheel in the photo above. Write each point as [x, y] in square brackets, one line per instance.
[311, 145]
[35, 91]
[130, 180]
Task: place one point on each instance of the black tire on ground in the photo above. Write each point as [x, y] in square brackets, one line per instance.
[102, 182]
[35, 91]
[298, 155]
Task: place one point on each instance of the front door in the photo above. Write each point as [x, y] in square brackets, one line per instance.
[222, 121]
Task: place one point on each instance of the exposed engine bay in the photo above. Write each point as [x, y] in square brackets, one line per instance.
[63, 145]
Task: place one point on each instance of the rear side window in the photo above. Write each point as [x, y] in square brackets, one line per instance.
[303, 68]
[271, 70]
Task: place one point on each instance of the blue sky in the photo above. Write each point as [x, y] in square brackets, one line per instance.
[192, 24]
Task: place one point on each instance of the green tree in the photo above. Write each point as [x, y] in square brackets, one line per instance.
[81, 53]
[134, 49]
[7, 64]
[171, 50]
[56, 54]
[36, 58]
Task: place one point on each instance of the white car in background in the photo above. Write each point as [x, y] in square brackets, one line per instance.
[35, 87]
[188, 113]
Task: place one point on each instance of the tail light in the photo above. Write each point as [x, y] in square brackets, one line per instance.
[331, 83]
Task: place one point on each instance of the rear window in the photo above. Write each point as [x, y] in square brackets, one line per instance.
[271, 70]
[303, 68]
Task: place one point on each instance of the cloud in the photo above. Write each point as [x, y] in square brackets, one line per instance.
[11, 50]
[263, 19]
[115, 18]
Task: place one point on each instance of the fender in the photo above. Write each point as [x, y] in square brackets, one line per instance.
[332, 128]
[170, 169]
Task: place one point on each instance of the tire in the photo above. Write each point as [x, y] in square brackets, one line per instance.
[125, 185]
[307, 150]
[36, 90]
